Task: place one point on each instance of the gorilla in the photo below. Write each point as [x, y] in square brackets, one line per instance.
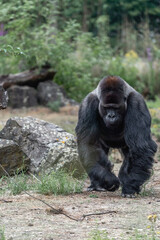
[115, 115]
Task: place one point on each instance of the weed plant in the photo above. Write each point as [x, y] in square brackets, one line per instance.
[54, 106]
[59, 183]
[99, 235]
[2, 235]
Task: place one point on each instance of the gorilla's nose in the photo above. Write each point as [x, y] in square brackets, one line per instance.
[111, 115]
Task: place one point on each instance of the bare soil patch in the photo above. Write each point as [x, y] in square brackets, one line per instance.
[25, 218]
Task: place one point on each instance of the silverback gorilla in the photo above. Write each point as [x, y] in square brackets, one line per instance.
[115, 115]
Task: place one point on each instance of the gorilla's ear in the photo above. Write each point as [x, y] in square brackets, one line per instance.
[137, 126]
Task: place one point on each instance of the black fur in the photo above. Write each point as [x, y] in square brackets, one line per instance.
[115, 116]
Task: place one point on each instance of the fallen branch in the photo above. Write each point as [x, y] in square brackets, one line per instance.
[5, 201]
[30, 77]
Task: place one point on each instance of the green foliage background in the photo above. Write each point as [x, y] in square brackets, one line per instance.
[83, 41]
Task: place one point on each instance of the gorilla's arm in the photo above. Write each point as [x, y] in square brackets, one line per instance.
[92, 155]
[137, 165]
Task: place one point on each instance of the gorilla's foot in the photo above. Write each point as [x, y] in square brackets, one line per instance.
[95, 188]
[128, 195]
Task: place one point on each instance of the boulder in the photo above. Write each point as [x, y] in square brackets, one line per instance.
[23, 96]
[22, 88]
[49, 92]
[3, 98]
[47, 146]
[12, 158]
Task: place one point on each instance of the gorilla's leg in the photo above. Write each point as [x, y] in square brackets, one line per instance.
[134, 171]
[99, 168]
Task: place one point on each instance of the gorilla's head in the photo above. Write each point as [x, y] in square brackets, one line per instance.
[112, 104]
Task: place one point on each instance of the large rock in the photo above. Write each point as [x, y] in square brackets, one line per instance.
[49, 92]
[3, 98]
[23, 96]
[12, 158]
[47, 146]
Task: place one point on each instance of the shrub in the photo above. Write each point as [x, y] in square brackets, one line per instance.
[54, 106]
[81, 60]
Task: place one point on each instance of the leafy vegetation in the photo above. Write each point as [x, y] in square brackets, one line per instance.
[83, 41]
[54, 106]
[154, 107]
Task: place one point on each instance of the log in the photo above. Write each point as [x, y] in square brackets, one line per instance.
[29, 77]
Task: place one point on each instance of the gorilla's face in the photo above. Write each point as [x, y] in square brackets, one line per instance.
[112, 104]
[112, 114]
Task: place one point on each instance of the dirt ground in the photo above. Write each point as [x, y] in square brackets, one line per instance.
[25, 218]
[66, 118]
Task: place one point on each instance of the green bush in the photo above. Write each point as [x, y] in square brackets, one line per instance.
[54, 106]
[81, 60]
[123, 68]
[30, 27]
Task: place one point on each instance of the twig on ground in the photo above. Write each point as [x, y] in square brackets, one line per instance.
[5, 201]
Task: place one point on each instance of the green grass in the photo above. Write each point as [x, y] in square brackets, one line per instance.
[136, 235]
[18, 184]
[154, 104]
[56, 183]
[154, 107]
[2, 236]
[93, 196]
[54, 106]
[59, 183]
[99, 235]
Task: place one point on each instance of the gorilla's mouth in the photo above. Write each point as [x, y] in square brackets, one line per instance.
[110, 123]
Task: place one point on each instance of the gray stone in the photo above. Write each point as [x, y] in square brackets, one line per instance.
[22, 96]
[12, 158]
[3, 98]
[49, 92]
[47, 146]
